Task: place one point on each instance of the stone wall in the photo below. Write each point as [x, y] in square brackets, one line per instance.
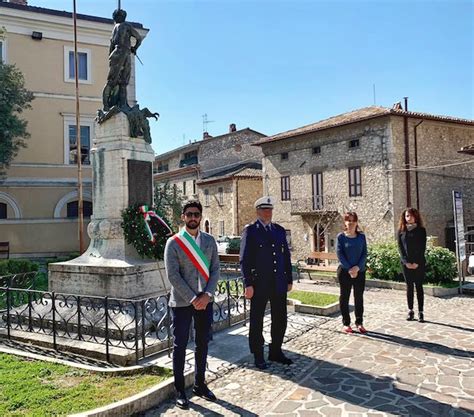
[334, 160]
[437, 145]
[229, 149]
[248, 191]
[215, 210]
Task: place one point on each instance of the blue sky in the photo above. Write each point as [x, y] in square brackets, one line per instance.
[277, 65]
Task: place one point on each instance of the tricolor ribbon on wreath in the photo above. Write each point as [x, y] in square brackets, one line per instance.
[148, 216]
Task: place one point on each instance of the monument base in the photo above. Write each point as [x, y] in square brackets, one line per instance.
[114, 278]
[122, 176]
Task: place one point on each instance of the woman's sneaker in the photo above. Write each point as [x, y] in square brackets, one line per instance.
[411, 315]
[362, 329]
[347, 329]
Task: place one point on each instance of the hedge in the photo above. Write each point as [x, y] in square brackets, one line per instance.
[17, 266]
[383, 262]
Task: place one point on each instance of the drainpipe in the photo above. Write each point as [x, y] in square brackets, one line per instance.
[407, 156]
[417, 187]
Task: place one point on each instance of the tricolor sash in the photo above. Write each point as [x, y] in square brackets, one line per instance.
[187, 243]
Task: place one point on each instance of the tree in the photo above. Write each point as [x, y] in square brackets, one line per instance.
[14, 99]
[169, 200]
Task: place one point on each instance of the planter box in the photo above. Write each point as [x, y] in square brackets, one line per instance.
[315, 310]
[428, 289]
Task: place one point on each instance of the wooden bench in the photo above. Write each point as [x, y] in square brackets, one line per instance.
[323, 259]
[4, 250]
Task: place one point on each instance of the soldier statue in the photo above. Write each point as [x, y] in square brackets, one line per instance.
[120, 62]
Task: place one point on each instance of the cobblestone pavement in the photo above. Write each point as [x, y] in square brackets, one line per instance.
[399, 369]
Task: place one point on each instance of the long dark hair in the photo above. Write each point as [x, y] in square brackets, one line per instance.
[352, 215]
[402, 223]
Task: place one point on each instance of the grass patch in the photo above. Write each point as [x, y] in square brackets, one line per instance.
[36, 388]
[314, 298]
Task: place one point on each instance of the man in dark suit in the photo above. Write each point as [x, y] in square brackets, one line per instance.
[192, 266]
[266, 267]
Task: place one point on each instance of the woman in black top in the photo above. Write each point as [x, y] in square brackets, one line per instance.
[412, 246]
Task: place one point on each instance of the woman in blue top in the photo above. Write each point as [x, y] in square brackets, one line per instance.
[352, 254]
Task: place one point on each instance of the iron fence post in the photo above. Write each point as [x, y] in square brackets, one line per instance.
[106, 308]
[30, 325]
[79, 331]
[136, 332]
[53, 302]
[8, 312]
[227, 284]
[143, 328]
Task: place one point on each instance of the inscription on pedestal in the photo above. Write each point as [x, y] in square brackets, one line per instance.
[140, 182]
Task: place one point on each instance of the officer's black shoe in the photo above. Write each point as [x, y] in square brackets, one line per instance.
[276, 355]
[279, 357]
[260, 361]
[421, 317]
[182, 401]
[204, 392]
[411, 315]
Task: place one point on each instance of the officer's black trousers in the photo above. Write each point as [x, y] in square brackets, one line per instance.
[278, 315]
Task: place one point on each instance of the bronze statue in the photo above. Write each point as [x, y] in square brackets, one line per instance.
[120, 62]
[114, 96]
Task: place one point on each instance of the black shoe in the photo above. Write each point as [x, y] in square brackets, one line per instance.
[411, 315]
[182, 401]
[260, 361]
[204, 392]
[280, 358]
[421, 317]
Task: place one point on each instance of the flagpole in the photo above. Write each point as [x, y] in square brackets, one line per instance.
[78, 140]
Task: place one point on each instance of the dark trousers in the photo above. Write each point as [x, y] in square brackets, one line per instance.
[346, 283]
[279, 317]
[414, 278]
[182, 317]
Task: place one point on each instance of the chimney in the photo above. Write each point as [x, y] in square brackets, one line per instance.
[22, 2]
[232, 128]
[206, 135]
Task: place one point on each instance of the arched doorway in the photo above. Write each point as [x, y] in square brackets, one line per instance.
[206, 226]
[319, 238]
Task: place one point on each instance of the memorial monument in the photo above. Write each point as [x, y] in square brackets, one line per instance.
[122, 175]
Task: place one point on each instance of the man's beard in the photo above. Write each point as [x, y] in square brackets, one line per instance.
[192, 224]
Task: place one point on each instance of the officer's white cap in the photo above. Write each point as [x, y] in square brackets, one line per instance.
[265, 202]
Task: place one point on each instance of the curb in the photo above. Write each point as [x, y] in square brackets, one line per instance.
[140, 402]
[315, 310]
[393, 285]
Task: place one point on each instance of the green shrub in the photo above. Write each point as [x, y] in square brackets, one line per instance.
[233, 247]
[17, 266]
[383, 262]
[440, 265]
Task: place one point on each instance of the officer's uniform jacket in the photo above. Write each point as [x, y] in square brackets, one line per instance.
[265, 258]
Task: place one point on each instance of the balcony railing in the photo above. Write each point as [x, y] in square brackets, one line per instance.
[314, 204]
[193, 160]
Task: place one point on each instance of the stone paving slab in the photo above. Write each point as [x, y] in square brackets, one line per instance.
[400, 368]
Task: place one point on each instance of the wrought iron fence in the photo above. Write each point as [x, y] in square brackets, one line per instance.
[142, 327]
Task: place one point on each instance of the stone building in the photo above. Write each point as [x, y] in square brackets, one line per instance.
[223, 172]
[38, 198]
[375, 161]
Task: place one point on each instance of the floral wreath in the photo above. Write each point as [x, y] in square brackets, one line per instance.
[145, 230]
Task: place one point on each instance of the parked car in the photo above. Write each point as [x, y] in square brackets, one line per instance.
[224, 241]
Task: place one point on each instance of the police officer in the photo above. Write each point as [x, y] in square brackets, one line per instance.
[266, 267]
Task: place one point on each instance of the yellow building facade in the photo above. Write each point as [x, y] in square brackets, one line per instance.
[38, 197]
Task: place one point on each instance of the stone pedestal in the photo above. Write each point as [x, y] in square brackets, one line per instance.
[122, 175]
